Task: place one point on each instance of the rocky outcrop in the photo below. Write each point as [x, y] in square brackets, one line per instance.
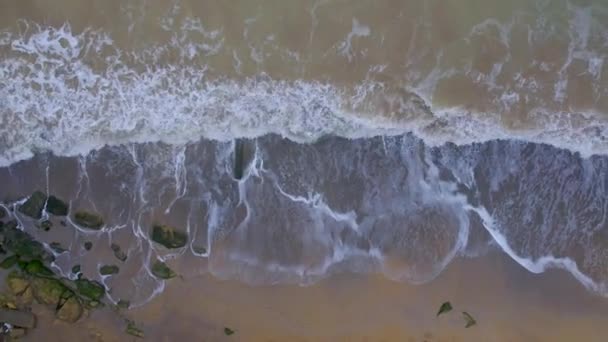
[118, 253]
[34, 205]
[88, 219]
[168, 236]
[109, 269]
[161, 270]
[56, 206]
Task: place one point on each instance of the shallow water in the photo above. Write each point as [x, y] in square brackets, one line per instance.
[380, 137]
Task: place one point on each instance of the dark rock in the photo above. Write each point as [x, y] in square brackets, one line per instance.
[199, 250]
[34, 205]
[90, 289]
[9, 262]
[56, 206]
[2, 213]
[56, 246]
[123, 304]
[470, 321]
[76, 269]
[48, 291]
[162, 271]
[70, 311]
[168, 236]
[133, 330]
[18, 318]
[118, 253]
[88, 245]
[108, 269]
[22, 244]
[63, 223]
[228, 331]
[46, 225]
[88, 220]
[445, 307]
[238, 159]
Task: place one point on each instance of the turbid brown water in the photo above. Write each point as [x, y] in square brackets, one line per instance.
[396, 154]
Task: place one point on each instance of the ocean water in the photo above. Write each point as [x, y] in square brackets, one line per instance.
[380, 136]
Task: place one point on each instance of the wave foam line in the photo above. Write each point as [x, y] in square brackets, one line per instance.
[72, 93]
[539, 265]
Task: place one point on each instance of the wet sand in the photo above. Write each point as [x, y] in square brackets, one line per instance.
[509, 304]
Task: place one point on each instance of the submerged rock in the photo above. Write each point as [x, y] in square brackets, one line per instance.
[108, 269]
[199, 250]
[90, 289]
[70, 311]
[228, 331]
[162, 271]
[123, 304]
[46, 225]
[48, 291]
[470, 321]
[76, 269]
[56, 246]
[56, 206]
[168, 236]
[9, 262]
[34, 205]
[23, 319]
[88, 245]
[133, 330]
[22, 244]
[118, 253]
[88, 220]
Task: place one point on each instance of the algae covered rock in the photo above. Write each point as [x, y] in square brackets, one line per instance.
[228, 331]
[34, 205]
[162, 271]
[48, 291]
[56, 206]
[22, 244]
[118, 253]
[108, 269]
[133, 330]
[88, 219]
[9, 262]
[90, 289]
[36, 268]
[168, 236]
[70, 311]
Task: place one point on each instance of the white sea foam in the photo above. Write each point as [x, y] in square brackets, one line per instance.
[54, 99]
